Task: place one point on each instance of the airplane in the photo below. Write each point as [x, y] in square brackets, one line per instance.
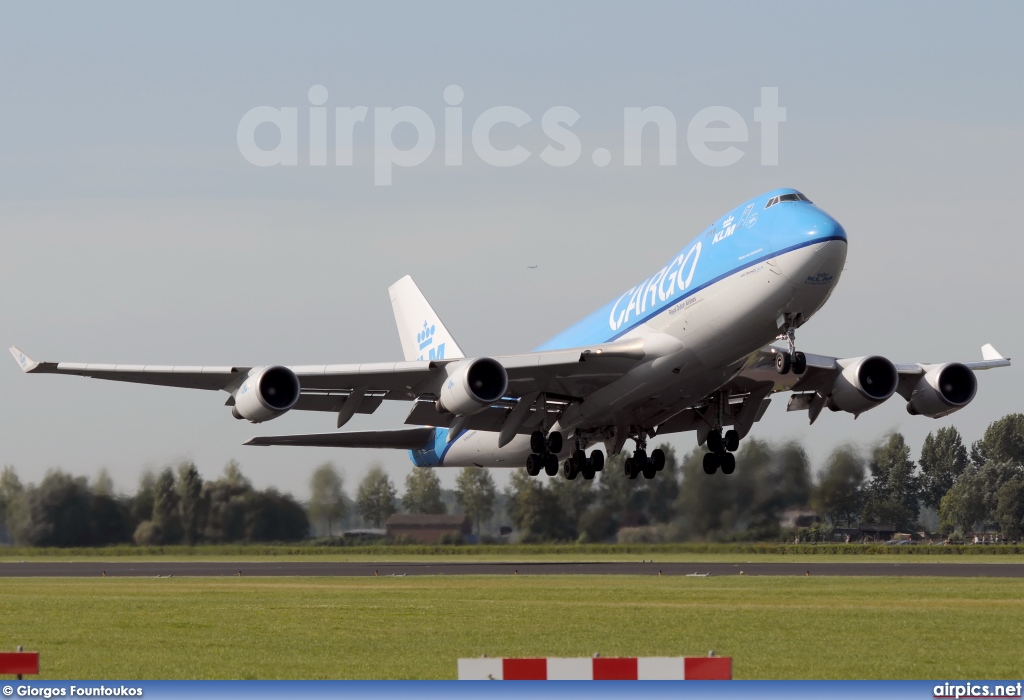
[690, 348]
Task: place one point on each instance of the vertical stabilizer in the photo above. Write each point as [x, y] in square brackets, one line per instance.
[423, 335]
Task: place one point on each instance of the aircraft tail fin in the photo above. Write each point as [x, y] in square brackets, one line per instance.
[423, 335]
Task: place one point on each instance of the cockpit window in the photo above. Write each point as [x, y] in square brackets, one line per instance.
[793, 197]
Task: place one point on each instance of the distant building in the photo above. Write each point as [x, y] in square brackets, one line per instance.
[428, 529]
[796, 517]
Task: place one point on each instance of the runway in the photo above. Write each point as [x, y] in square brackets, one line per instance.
[651, 568]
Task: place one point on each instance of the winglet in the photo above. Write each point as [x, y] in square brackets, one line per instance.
[990, 353]
[26, 362]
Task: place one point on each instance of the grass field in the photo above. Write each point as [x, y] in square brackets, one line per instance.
[678, 552]
[815, 627]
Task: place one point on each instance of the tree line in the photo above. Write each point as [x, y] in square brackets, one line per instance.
[951, 489]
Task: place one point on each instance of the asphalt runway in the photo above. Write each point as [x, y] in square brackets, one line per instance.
[651, 568]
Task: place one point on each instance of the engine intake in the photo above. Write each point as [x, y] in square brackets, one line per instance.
[943, 390]
[472, 385]
[267, 393]
[864, 383]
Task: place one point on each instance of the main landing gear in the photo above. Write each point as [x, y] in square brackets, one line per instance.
[545, 456]
[545, 453]
[578, 463]
[640, 463]
[792, 361]
[721, 454]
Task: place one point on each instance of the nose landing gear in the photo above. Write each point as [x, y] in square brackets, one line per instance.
[792, 361]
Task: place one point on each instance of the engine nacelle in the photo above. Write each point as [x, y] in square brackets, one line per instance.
[472, 385]
[943, 390]
[863, 384]
[267, 393]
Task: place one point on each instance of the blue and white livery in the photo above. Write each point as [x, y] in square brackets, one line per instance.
[689, 348]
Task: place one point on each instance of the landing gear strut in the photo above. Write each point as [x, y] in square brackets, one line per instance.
[791, 361]
[721, 454]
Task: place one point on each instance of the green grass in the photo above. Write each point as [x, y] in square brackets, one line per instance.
[773, 627]
[695, 552]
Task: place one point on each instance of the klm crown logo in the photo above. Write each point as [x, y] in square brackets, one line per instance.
[425, 338]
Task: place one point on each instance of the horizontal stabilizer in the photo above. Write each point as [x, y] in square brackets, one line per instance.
[401, 439]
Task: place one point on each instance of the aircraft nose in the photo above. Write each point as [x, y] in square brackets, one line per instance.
[806, 241]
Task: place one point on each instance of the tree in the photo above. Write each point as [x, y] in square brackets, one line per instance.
[963, 507]
[103, 484]
[663, 491]
[142, 502]
[58, 513]
[376, 498]
[327, 496]
[623, 499]
[839, 493]
[892, 495]
[943, 460]
[475, 492]
[190, 492]
[1010, 509]
[534, 510]
[166, 516]
[423, 492]
[1004, 440]
[273, 517]
[226, 501]
[11, 497]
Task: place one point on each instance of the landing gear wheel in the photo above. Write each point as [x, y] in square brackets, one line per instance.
[799, 363]
[632, 468]
[555, 442]
[732, 441]
[550, 465]
[658, 458]
[715, 441]
[569, 469]
[597, 460]
[728, 463]
[782, 362]
[710, 463]
[537, 442]
[587, 471]
[649, 471]
[533, 465]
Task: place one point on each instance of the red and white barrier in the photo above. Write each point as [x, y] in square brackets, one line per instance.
[651, 668]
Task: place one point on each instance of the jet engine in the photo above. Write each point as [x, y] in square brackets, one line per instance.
[864, 383]
[943, 390]
[472, 385]
[267, 393]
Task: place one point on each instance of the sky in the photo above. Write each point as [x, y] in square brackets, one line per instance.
[134, 229]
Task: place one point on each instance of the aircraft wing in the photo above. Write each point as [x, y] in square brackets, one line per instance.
[569, 373]
[812, 389]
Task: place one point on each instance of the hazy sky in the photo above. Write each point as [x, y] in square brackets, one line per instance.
[133, 230]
